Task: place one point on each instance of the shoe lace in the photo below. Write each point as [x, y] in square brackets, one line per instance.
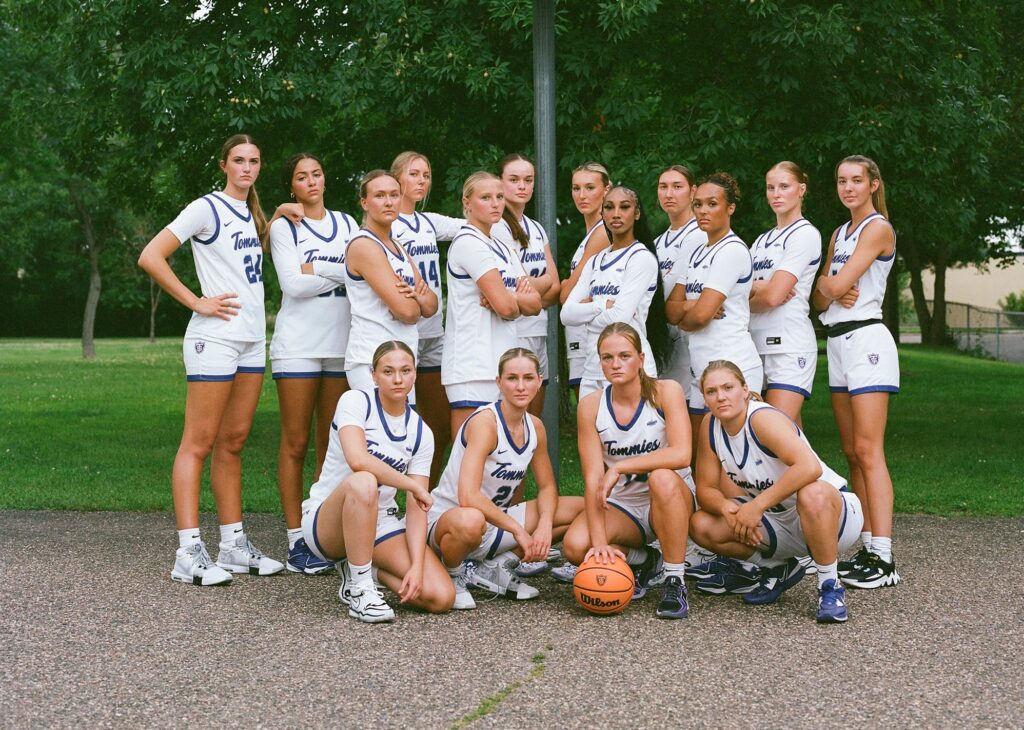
[672, 590]
[200, 558]
[468, 571]
[252, 550]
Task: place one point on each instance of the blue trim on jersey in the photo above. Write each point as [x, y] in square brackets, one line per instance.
[457, 276]
[334, 374]
[728, 447]
[216, 225]
[419, 436]
[295, 232]
[462, 428]
[429, 369]
[334, 231]
[508, 436]
[890, 257]
[249, 370]
[711, 434]
[494, 545]
[629, 248]
[410, 226]
[790, 388]
[575, 381]
[209, 378]
[773, 540]
[838, 389]
[635, 521]
[750, 430]
[695, 411]
[860, 226]
[384, 419]
[696, 259]
[368, 407]
[230, 207]
[745, 279]
[388, 536]
[611, 411]
[875, 389]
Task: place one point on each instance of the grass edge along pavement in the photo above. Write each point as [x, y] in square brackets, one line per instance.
[490, 703]
[101, 435]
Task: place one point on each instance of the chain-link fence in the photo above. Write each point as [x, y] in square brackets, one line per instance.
[987, 332]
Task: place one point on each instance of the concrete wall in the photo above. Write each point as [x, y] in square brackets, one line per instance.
[980, 288]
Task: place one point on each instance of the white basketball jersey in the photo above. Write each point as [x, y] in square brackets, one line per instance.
[228, 258]
[401, 443]
[315, 321]
[675, 247]
[725, 267]
[751, 466]
[418, 234]
[504, 468]
[372, 321]
[605, 277]
[476, 337]
[534, 264]
[575, 335]
[871, 283]
[795, 249]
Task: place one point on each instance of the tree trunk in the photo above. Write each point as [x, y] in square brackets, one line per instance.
[92, 300]
[937, 333]
[154, 302]
[891, 303]
[913, 263]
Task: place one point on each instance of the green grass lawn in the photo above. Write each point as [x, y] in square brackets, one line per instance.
[101, 435]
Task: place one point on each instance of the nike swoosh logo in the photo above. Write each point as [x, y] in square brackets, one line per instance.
[502, 451]
[848, 336]
[227, 223]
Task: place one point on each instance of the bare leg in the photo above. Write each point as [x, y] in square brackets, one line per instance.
[331, 390]
[205, 403]
[621, 531]
[786, 401]
[458, 533]
[347, 522]
[870, 412]
[393, 561]
[820, 506]
[459, 417]
[296, 397]
[671, 507]
[432, 405]
[843, 410]
[712, 533]
[226, 467]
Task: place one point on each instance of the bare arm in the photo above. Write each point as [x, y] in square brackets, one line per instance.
[875, 240]
[818, 299]
[704, 309]
[598, 240]
[359, 458]
[767, 295]
[501, 301]
[366, 259]
[153, 260]
[481, 434]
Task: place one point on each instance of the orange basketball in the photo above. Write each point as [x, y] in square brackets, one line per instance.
[603, 588]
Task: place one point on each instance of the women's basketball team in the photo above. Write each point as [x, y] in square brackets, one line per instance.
[691, 354]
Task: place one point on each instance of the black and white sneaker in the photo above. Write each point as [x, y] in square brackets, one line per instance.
[845, 566]
[194, 565]
[872, 573]
[368, 605]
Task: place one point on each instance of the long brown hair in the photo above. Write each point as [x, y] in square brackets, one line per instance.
[648, 385]
[877, 197]
[401, 163]
[252, 199]
[507, 215]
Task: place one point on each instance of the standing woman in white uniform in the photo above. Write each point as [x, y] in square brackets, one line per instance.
[676, 186]
[713, 303]
[307, 351]
[634, 443]
[863, 365]
[487, 292]
[419, 233]
[225, 357]
[473, 515]
[620, 284]
[590, 183]
[387, 294]
[528, 239]
[351, 515]
[766, 497]
[786, 260]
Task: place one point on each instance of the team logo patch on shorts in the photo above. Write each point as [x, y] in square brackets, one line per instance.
[802, 362]
[200, 346]
[873, 358]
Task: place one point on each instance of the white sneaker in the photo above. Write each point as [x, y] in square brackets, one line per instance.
[553, 554]
[368, 605]
[241, 556]
[565, 573]
[194, 565]
[498, 576]
[696, 555]
[344, 592]
[463, 600]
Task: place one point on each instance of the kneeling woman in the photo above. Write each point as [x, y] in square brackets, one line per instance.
[634, 442]
[788, 503]
[472, 517]
[351, 514]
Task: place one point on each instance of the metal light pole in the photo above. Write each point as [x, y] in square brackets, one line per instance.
[544, 141]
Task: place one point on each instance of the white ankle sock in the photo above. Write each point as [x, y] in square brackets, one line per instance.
[294, 533]
[676, 569]
[188, 537]
[827, 572]
[865, 539]
[361, 575]
[882, 547]
[230, 533]
[635, 556]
